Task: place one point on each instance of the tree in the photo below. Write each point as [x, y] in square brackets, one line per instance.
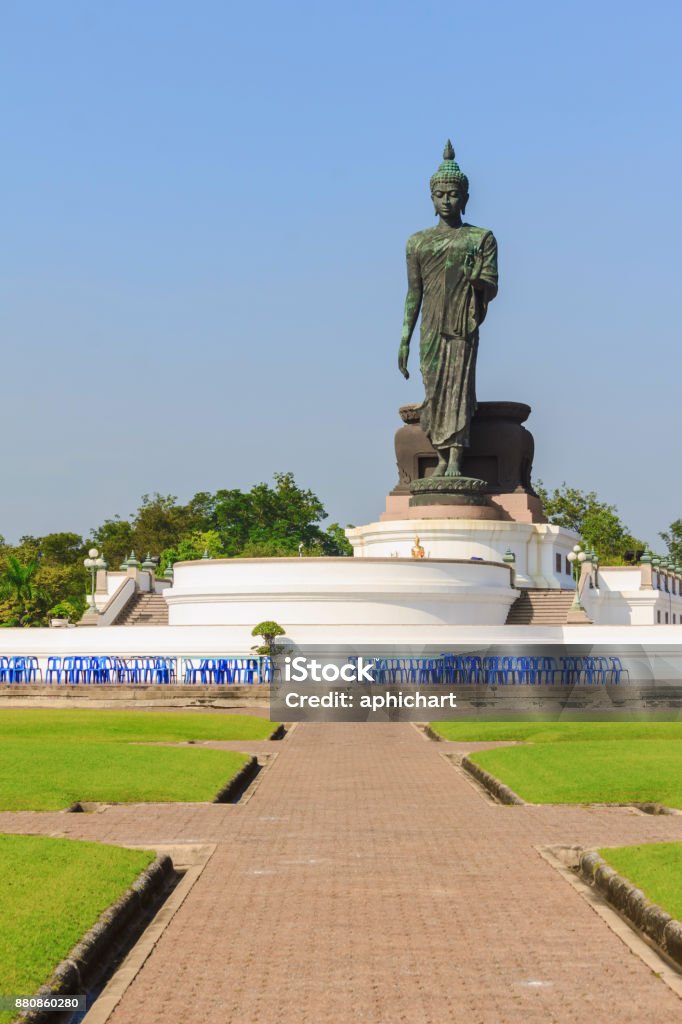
[673, 541]
[61, 583]
[597, 522]
[268, 631]
[159, 523]
[66, 610]
[115, 538]
[192, 547]
[20, 590]
[273, 521]
[59, 575]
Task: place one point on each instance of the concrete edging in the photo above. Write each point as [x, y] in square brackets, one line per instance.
[431, 733]
[654, 923]
[503, 793]
[90, 958]
[236, 786]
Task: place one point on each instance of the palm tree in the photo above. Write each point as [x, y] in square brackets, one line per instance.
[17, 584]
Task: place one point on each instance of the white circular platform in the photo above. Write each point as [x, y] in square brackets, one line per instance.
[344, 600]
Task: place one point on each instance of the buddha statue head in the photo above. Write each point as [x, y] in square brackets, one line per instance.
[449, 187]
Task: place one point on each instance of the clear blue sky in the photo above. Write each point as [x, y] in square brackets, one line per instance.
[204, 210]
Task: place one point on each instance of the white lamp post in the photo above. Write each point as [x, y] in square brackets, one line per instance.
[576, 557]
[93, 562]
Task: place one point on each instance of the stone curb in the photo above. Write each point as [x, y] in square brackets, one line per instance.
[655, 923]
[90, 958]
[233, 789]
[653, 808]
[496, 788]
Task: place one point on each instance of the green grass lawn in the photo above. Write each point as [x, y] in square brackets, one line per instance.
[134, 726]
[582, 762]
[51, 892]
[558, 732]
[50, 759]
[655, 868]
[48, 775]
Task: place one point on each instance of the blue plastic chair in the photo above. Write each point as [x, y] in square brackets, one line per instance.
[81, 669]
[119, 670]
[525, 671]
[617, 672]
[492, 670]
[589, 672]
[571, 668]
[54, 670]
[191, 671]
[103, 669]
[546, 668]
[162, 671]
[510, 670]
[17, 669]
[33, 671]
[472, 669]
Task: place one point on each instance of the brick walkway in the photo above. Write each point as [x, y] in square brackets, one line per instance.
[366, 880]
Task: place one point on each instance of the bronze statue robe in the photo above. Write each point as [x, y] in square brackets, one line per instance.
[452, 308]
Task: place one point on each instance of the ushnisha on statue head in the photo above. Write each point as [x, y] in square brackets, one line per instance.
[449, 187]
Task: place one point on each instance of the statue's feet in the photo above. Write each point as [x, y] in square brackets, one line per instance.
[454, 462]
[441, 468]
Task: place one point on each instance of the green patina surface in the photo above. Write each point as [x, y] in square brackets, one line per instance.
[452, 276]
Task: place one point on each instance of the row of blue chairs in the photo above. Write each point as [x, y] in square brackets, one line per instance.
[18, 669]
[490, 670]
[494, 670]
[74, 670]
[77, 669]
[227, 671]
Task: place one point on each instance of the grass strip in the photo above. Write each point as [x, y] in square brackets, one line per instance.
[590, 771]
[655, 868]
[49, 774]
[77, 724]
[51, 892]
[557, 732]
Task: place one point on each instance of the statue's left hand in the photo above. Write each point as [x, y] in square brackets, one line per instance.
[473, 264]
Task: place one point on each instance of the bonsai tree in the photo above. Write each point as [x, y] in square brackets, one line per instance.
[268, 631]
[65, 610]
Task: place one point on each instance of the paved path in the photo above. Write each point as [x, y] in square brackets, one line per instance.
[368, 881]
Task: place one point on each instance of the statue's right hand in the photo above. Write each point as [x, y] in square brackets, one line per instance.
[402, 361]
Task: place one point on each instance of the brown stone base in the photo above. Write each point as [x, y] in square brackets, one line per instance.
[517, 508]
[398, 507]
[520, 508]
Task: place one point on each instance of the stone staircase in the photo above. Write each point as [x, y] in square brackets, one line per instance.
[144, 610]
[540, 608]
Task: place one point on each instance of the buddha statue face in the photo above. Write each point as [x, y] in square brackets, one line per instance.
[449, 199]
